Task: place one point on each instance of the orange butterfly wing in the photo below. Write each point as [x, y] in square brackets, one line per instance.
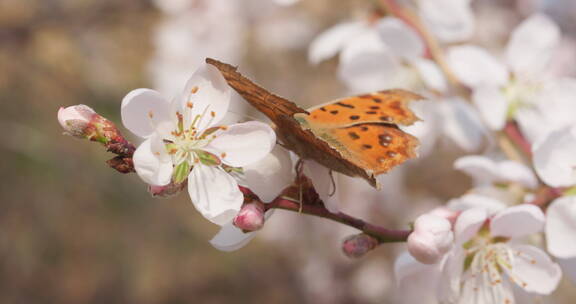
[376, 147]
[390, 106]
[363, 129]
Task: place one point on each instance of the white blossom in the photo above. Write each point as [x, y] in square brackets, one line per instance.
[183, 140]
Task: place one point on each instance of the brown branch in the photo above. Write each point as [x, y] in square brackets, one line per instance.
[382, 234]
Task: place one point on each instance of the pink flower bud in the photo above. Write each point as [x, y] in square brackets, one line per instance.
[250, 217]
[446, 213]
[356, 246]
[76, 119]
[431, 239]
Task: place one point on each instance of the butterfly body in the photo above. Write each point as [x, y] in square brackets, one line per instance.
[356, 136]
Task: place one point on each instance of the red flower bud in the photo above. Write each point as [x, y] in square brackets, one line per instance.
[250, 217]
[356, 246]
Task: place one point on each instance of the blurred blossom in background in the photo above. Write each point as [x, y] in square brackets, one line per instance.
[74, 231]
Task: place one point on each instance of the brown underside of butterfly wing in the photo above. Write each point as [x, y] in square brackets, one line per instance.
[389, 106]
[375, 147]
[281, 111]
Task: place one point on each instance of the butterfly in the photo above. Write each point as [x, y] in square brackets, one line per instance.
[357, 136]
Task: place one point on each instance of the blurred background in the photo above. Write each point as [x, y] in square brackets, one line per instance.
[74, 231]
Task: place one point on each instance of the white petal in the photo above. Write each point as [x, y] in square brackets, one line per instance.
[469, 223]
[417, 282]
[401, 39]
[450, 20]
[142, 110]
[513, 171]
[269, 176]
[244, 143]
[532, 44]
[555, 158]
[215, 194]
[324, 183]
[533, 270]
[452, 270]
[368, 65]
[330, 42]
[152, 163]
[206, 93]
[517, 221]
[475, 200]
[462, 124]
[561, 227]
[230, 238]
[555, 103]
[492, 104]
[475, 67]
[526, 116]
[431, 74]
[481, 168]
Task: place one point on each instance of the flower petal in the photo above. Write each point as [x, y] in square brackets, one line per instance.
[400, 38]
[481, 168]
[215, 194]
[417, 282]
[452, 269]
[532, 44]
[206, 94]
[561, 227]
[492, 104]
[513, 171]
[533, 270]
[270, 175]
[431, 74]
[462, 124]
[230, 238]
[468, 224]
[368, 65]
[475, 200]
[152, 163]
[517, 221]
[330, 42]
[555, 158]
[474, 66]
[450, 20]
[324, 183]
[244, 143]
[142, 110]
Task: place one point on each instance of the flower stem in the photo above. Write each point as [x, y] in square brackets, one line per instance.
[382, 234]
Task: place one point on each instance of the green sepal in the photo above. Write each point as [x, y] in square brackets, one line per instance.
[570, 191]
[230, 169]
[181, 172]
[208, 159]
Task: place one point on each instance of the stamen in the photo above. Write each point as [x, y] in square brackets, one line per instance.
[194, 90]
[223, 155]
[151, 114]
[189, 105]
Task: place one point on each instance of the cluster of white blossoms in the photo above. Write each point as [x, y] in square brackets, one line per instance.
[477, 247]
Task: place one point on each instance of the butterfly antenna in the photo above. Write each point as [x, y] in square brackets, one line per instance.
[333, 183]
